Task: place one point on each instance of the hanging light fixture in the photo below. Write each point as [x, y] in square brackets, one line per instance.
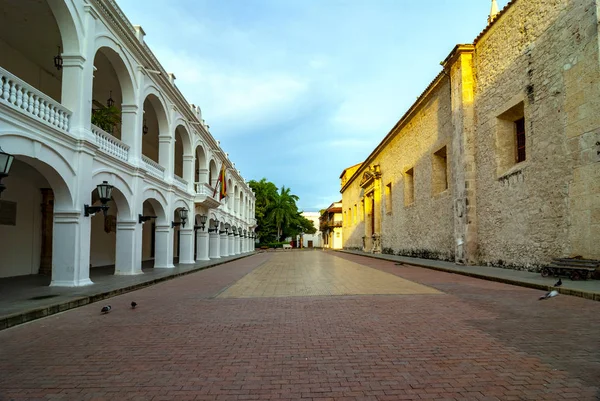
[145, 128]
[105, 193]
[5, 163]
[58, 60]
[110, 102]
[203, 218]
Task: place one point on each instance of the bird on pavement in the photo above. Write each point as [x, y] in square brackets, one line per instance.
[133, 304]
[558, 283]
[106, 309]
[550, 294]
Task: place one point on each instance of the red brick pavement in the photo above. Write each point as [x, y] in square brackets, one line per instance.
[480, 341]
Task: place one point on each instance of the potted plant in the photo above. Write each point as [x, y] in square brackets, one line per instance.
[106, 118]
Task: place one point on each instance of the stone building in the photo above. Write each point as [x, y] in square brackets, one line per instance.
[498, 160]
[330, 225]
[64, 65]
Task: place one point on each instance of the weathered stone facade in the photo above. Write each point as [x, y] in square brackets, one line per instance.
[498, 161]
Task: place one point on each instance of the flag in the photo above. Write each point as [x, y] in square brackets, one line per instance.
[221, 184]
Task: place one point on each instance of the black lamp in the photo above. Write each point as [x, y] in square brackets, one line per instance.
[215, 228]
[203, 218]
[5, 163]
[105, 192]
[58, 60]
[183, 214]
[145, 128]
[110, 102]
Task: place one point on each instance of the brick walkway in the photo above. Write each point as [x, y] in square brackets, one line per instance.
[476, 340]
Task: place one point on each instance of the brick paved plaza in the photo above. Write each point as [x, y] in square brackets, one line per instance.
[311, 325]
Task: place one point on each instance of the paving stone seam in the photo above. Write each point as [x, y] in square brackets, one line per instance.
[594, 296]
[18, 318]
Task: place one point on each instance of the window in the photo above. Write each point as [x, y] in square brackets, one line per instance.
[511, 138]
[355, 213]
[362, 209]
[388, 198]
[345, 219]
[439, 175]
[409, 187]
[520, 134]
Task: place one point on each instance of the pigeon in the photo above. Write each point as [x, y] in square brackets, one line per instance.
[550, 294]
[133, 304]
[106, 309]
[399, 264]
[558, 283]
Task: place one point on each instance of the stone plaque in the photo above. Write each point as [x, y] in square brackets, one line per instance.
[8, 213]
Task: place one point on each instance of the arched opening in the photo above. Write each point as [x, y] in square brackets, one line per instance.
[151, 207]
[154, 123]
[30, 37]
[212, 173]
[105, 256]
[230, 195]
[112, 88]
[182, 148]
[202, 173]
[177, 229]
[236, 200]
[26, 229]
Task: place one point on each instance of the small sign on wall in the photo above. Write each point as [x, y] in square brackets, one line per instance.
[8, 213]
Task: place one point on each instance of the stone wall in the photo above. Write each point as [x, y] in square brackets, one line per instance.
[543, 68]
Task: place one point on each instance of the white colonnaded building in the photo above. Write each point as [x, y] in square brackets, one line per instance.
[86, 108]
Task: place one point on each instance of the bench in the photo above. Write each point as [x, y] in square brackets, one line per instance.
[575, 268]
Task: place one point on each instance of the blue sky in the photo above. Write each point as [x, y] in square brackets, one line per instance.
[298, 90]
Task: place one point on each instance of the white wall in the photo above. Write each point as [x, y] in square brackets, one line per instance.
[103, 245]
[316, 238]
[20, 245]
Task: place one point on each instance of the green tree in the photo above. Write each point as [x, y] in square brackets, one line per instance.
[283, 210]
[266, 193]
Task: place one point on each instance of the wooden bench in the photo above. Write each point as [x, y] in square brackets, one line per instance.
[575, 268]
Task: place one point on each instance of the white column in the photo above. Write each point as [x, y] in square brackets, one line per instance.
[165, 154]
[127, 248]
[203, 176]
[238, 245]
[230, 245]
[188, 171]
[214, 242]
[70, 250]
[163, 247]
[201, 245]
[224, 243]
[186, 246]
[130, 132]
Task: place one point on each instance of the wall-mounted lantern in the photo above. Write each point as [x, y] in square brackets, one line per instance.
[144, 128]
[105, 192]
[5, 163]
[183, 215]
[215, 228]
[203, 218]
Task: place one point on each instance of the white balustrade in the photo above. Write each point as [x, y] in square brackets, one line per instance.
[20, 95]
[203, 188]
[153, 167]
[111, 145]
[180, 182]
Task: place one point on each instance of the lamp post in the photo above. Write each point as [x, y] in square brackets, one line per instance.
[105, 193]
[58, 60]
[5, 163]
[183, 215]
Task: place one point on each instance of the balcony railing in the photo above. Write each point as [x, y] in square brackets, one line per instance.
[22, 96]
[203, 188]
[180, 182]
[335, 223]
[153, 167]
[111, 145]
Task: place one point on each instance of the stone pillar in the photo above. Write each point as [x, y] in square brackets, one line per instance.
[186, 247]
[224, 242]
[214, 245]
[201, 245]
[127, 248]
[76, 92]
[71, 250]
[47, 225]
[163, 247]
[460, 66]
[131, 132]
[165, 153]
[203, 176]
[231, 245]
[188, 171]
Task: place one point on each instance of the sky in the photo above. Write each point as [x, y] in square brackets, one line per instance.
[298, 90]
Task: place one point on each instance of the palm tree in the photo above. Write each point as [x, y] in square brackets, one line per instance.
[282, 210]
